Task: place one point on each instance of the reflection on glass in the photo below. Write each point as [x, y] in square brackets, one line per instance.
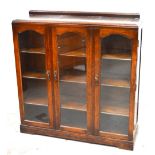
[72, 66]
[115, 84]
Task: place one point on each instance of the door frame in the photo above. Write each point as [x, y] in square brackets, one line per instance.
[59, 30]
[131, 33]
[19, 27]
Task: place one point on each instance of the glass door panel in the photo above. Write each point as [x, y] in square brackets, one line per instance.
[115, 84]
[32, 57]
[72, 75]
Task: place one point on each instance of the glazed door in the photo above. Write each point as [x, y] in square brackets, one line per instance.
[115, 81]
[72, 74]
[33, 75]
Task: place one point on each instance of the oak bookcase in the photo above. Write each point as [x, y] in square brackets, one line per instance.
[78, 75]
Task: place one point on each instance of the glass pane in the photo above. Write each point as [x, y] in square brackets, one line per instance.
[36, 113]
[31, 41]
[32, 56]
[114, 123]
[72, 67]
[115, 84]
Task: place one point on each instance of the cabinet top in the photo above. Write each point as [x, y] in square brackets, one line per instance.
[86, 18]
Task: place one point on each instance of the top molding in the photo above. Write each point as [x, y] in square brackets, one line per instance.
[123, 20]
[37, 13]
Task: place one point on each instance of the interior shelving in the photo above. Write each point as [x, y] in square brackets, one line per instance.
[33, 50]
[75, 96]
[115, 109]
[33, 66]
[34, 75]
[116, 56]
[72, 66]
[34, 42]
[115, 73]
[73, 104]
[70, 41]
[115, 82]
[73, 75]
[115, 100]
[32, 54]
[69, 104]
[35, 92]
[75, 53]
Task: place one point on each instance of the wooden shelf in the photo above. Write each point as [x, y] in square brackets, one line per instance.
[75, 53]
[115, 83]
[105, 109]
[34, 75]
[115, 109]
[74, 106]
[35, 100]
[74, 76]
[115, 101]
[80, 77]
[33, 50]
[73, 102]
[35, 92]
[117, 56]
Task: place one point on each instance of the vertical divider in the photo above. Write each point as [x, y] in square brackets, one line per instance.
[97, 50]
[56, 79]
[90, 73]
[49, 69]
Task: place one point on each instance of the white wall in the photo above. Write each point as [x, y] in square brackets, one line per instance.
[14, 9]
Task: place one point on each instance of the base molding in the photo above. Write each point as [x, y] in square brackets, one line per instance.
[123, 144]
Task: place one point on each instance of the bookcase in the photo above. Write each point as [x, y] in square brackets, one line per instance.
[78, 75]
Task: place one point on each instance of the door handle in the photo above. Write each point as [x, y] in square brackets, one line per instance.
[97, 80]
[55, 75]
[48, 75]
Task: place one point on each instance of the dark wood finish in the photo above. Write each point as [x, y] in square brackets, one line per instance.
[76, 13]
[117, 56]
[120, 143]
[102, 43]
[74, 76]
[115, 82]
[34, 75]
[114, 109]
[33, 50]
[49, 71]
[75, 53]
[133, 85]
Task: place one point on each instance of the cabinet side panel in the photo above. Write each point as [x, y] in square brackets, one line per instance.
[133, 84]
[138, 76]
[18, 71]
